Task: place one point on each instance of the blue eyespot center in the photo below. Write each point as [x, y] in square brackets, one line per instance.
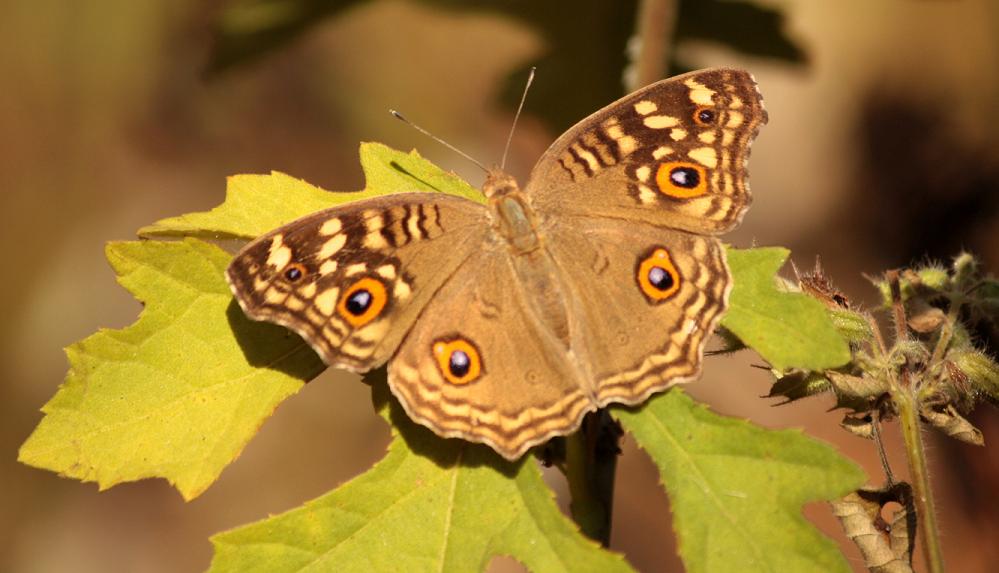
[660, 278]
[459, 363]
[359, 302]
[686, 177]
[293, 273]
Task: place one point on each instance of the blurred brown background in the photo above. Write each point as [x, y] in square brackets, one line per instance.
[882, 149]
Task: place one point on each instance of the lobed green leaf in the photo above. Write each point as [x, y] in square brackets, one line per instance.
[430, 505]
[256, 204]
[736, 489]
[788, 329]
[179, 393]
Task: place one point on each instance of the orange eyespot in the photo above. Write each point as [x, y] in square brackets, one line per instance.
[294, 272]
[362, 302]
[681, 179]
[657, 275]
[458, 360]
[705, 116]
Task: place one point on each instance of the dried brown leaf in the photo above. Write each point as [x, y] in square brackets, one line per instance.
[887, 548]
[950, 422]
[924, 318]
[861, 426]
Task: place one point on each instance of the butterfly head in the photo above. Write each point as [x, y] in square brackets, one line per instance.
[499, 184]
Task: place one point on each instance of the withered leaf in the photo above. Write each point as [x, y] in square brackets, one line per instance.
[950, 422]
[859, 425]
[887, 548]
[924, 318]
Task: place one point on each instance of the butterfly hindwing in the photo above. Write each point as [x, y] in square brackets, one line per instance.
[645, 300]
[672, 154]
[351, 280]
[480, 365]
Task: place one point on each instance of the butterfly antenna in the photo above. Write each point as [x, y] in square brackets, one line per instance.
[523, 98]
[400, 117]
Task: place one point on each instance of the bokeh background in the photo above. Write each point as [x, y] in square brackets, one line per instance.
[882, 150]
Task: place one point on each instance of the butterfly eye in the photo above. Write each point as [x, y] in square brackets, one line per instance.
[458, 360]
[704, 116]
[657, 275]
[362, 302]
[294, 272]
[682, 180]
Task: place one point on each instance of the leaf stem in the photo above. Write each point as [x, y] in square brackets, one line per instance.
[591, 462]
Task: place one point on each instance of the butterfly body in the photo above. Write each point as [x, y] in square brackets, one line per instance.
[504, 323]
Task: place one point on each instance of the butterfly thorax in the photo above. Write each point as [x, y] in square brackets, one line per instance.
[512, 212]
[517, 222]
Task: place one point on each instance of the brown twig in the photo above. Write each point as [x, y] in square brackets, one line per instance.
[654, 34]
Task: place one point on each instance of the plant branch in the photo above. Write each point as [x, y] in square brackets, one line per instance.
[898, 310]
[591, 462]
[879, 443]
[654, 34]
[904, 395]
[905, 402]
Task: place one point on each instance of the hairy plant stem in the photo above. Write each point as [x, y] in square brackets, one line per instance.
[908, 416]
[904, 393]
[591, 462]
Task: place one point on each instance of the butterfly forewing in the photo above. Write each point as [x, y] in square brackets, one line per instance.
[672, 154]
[351, 280]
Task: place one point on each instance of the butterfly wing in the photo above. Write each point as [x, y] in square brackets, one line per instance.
[645, 300]
[352, 280]
[671, 154]
[480, 366]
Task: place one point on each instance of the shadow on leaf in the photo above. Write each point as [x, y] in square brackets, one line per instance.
[271, 346]
[444, 452]
[402, 169]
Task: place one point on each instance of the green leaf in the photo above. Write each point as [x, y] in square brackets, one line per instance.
[389, 171]
[179, 393]
[256, 204]
[736, 489]
[429, 505]
[787, 329]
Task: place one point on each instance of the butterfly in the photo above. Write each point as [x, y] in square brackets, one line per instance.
[506, 322]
